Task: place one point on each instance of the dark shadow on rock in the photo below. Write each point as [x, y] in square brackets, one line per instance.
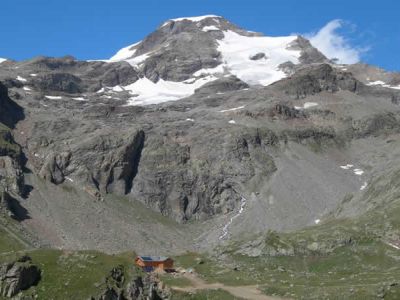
[19, 213]
[27, 191]
[11, 112]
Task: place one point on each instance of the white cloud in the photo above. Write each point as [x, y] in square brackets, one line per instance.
[334, 45]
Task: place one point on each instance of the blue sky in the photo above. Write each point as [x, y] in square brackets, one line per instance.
[89, 29]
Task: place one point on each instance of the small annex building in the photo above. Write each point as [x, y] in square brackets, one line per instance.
[155, 263]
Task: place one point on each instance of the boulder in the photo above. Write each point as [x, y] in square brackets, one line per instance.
[18, 276]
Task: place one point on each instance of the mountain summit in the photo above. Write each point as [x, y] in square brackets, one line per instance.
[184, 54]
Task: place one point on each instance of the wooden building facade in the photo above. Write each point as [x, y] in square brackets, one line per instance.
[155, 263]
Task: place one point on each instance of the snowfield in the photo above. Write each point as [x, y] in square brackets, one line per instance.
[236, 52]
[145, 92]
[237, 49]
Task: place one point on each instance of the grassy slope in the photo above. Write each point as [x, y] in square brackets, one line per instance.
[7, 243]
[67, 274]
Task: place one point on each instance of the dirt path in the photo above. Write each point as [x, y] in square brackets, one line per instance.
[250, 292]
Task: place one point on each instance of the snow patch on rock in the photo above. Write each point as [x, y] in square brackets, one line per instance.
[232, 109]
[236, 50]
[364, 186]
[195, 19]
[347, 167]
[306, 105]
[53, 97]
[210, 28]
[383, 84]
[358, 172]
[22, 79]
[145, 92]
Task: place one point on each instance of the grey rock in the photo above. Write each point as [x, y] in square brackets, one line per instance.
[11, 112]
[54, 167]
[18, 276]
[313, 79]
[258, 56]
[225, 84]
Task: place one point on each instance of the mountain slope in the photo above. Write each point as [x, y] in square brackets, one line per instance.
[267, 135]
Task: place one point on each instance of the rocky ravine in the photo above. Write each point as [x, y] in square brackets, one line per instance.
[94, 128]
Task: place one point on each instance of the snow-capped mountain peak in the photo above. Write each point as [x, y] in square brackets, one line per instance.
[185, 53]
[194, 19]
[2, 60]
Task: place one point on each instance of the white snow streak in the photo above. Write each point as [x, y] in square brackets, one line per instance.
[347, 167]
[384, 84]
[79, 99]
[394, 246]
[22, 79]
[358, 172]
[25, 88]
[33, 75]
[190, 120]
[210, 28]
[118, 88]
[317, 221]
[53, 97]
[194, 19]
[211, 71]
[310, 104]
[306, 105]
[225, 229]
[232, 109]
[232, 122]
[364, 186]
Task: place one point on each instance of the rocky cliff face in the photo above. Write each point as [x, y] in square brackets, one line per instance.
[11, 157]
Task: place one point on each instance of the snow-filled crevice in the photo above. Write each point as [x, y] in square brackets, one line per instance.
[225, 229]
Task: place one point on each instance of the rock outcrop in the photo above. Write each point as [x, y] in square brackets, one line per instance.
[18, 276]
[148, 287]
[314, 79]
